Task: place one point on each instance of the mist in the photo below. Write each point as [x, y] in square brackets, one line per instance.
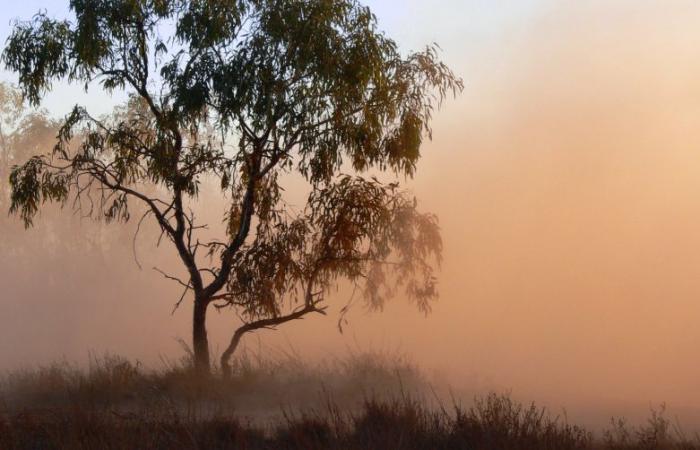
[565, 180]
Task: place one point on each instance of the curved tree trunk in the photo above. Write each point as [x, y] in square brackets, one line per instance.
[200, 342]
[269, 323]
[230, 350]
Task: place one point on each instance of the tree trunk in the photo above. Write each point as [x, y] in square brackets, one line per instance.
[200, 342]
[226, 356]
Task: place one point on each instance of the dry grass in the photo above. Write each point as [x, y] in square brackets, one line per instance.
[366, 401]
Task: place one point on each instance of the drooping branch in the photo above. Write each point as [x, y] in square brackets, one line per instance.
[363, 231]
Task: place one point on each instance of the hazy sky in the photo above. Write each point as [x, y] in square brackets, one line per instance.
[456, 25]
[566, 180]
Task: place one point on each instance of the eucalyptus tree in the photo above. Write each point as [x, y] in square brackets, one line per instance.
[245, 93]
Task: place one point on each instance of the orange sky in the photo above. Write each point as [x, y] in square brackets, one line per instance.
[566, 180]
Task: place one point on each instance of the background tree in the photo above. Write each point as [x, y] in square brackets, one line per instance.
[20, 131]
[25, 132]
[245, 92]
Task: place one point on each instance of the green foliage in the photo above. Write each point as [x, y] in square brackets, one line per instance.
[244, 92]
[38, 51]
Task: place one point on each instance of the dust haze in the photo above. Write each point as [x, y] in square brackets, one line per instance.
[565, 179]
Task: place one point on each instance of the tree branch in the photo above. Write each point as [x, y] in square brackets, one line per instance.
[260, 324]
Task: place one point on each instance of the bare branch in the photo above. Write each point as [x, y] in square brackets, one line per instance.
[136, 233]
[173, 278]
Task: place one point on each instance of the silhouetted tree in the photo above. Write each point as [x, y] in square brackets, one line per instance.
[244, 92]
